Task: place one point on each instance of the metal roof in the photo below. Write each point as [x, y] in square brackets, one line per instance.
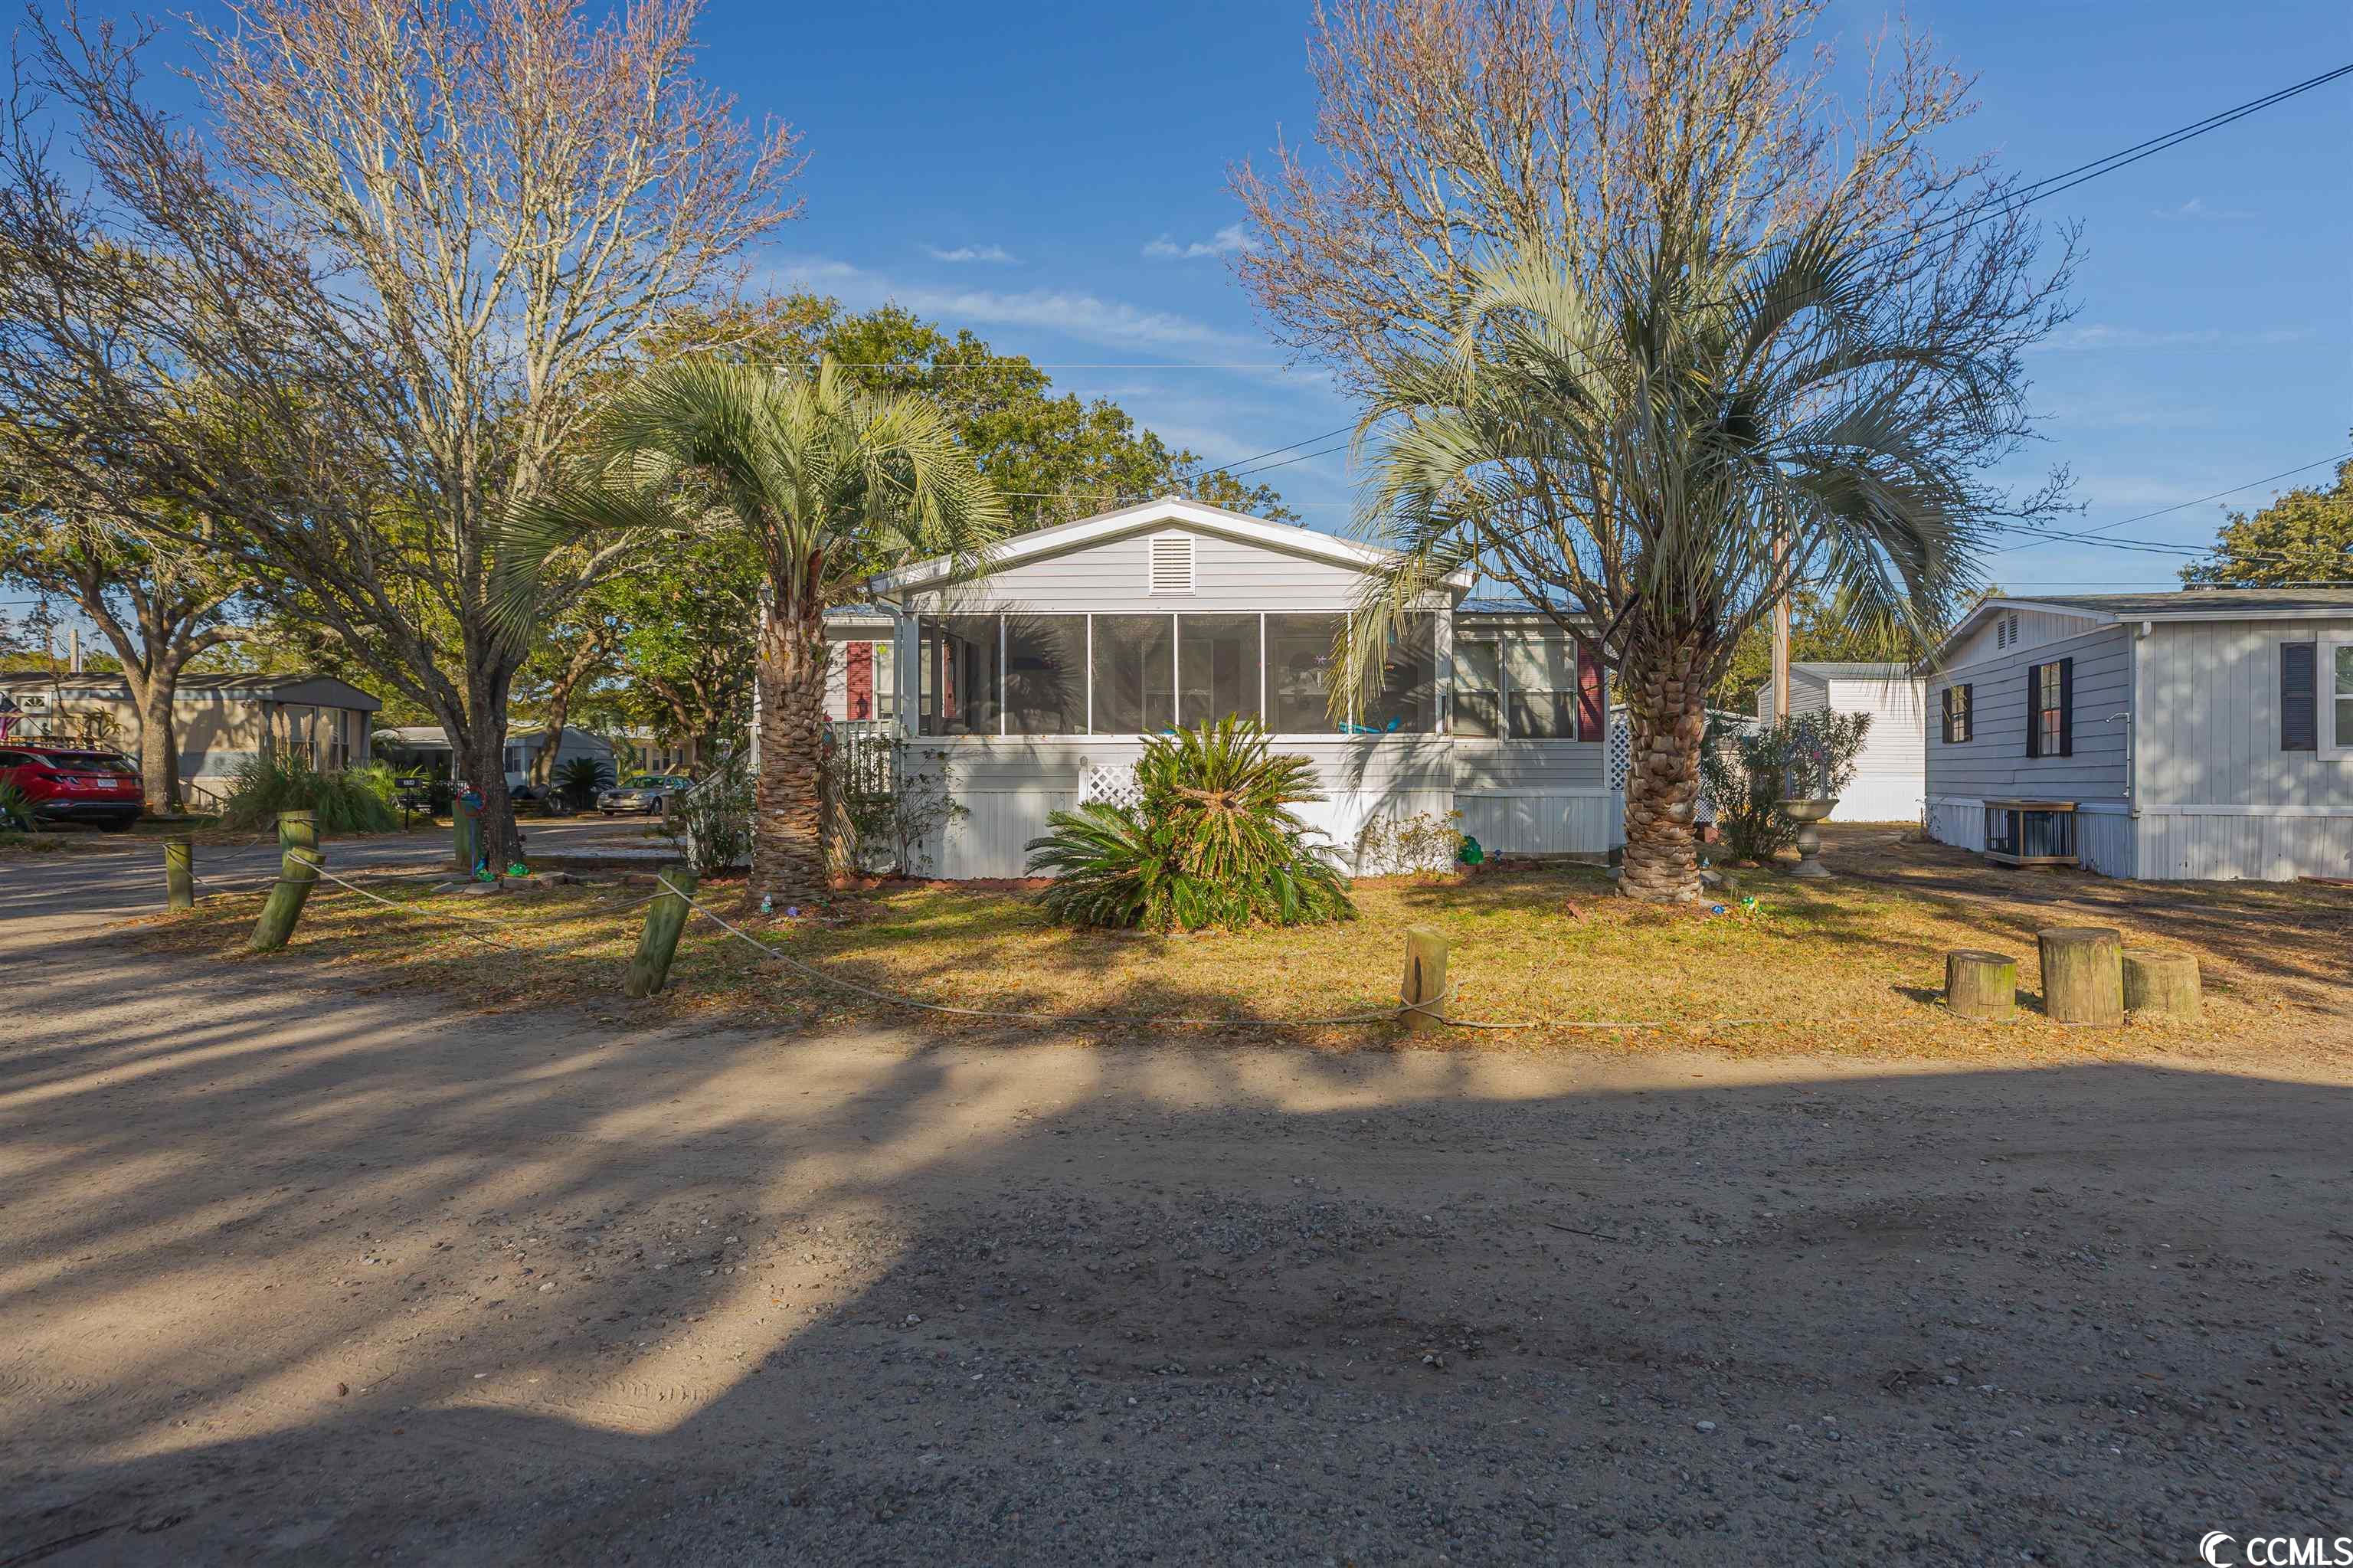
[1867, 670]
[105, 683]
[2246, 601]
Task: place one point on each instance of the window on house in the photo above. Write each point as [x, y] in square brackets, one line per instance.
[1298, 668]
[1045, 674]
[1479, 688]
[1134, 674]
[2340, 697]
[2050, 703]
[1540, 676]
[1959, 715]
[1401, 697]
[1216, 667]
[2299, 683]
[961, 688]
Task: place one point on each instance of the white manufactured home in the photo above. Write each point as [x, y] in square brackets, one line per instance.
[1890, 780]
[1031, 685]
[2206, 733]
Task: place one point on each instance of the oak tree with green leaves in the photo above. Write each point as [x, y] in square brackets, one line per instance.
[2304, 536]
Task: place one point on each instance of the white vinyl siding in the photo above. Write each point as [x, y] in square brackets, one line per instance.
[1115, 574]
[1890, 773]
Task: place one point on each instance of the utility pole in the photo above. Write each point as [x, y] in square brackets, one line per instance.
[1781, 632]
[73, 650]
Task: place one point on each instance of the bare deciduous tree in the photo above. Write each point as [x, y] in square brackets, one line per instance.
[1543, 238]
[429, 223]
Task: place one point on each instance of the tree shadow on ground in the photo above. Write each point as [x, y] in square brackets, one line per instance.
[305, 1275]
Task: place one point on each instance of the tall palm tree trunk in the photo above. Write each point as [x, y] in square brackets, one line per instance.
[1666, 719]
[788, 820]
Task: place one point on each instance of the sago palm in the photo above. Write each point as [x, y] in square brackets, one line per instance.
[833, 485]
[1213, 842]
[1655, 458]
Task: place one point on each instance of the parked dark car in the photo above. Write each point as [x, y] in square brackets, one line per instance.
[73, 784]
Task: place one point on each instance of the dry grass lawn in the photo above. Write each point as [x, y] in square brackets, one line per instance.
[1853, 964]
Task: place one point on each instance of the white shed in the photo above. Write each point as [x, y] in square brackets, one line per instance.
[1891, 776]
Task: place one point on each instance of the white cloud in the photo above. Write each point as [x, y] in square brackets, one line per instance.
[1224, 242]
[2195, 210]
[1086, 317]
[994, 253]
[2101, 335]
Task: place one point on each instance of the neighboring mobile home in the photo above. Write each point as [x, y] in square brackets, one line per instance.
[218, 722]
[2205, 734]
[1890, 775]
[1031, 686]
[423, 749]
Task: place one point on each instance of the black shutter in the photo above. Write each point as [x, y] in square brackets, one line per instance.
[1948, 716]
[2034, 710]
[2067, 707]
[2299, 696]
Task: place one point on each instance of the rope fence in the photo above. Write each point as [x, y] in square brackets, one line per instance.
[649, 971]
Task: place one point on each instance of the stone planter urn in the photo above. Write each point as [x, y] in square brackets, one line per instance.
[1806, 814]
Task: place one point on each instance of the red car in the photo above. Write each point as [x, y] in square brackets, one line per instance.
[73, 784]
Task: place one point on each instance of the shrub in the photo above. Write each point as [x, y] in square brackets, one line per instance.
[1427, 840]
[1212, 842]
[711, 823]
[355, 801]
[577, 781]
[15, 807]
[1747, 771]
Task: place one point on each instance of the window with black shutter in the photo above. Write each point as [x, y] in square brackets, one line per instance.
[2049, 709]
[2299, 696]
[1956, 725]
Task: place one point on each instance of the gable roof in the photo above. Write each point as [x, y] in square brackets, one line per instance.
[2186, 604]
[1082, 531]
[320, 690]
[1851, 670]
[2202, 604]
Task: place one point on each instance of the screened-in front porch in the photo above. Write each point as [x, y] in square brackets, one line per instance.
[1030, 675]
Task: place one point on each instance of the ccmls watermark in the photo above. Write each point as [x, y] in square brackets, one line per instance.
[2220, 1548]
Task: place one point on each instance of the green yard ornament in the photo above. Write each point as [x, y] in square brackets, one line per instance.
[1471, 854]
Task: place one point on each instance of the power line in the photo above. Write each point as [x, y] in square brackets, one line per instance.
[1286, 462]
[2181, 506]
[2068, 179]
[1230, 467]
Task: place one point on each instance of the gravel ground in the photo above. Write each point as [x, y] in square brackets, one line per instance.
[293, 1272]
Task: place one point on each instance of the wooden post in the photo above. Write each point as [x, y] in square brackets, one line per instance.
[464, 832]
[180, 872]
[1425, 982]
[2161, 985]
[2083, 973]
[1980, 985]
[665, 920]
[298, 872]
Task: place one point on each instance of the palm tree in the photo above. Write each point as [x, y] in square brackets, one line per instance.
[1658, 450]
[833, 485]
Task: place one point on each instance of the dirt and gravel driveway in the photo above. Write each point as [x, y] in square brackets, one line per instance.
[294, 1273]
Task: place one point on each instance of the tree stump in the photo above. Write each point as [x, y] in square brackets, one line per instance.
[1980, 985]
[2083, 973]
[1422, 995]
[2161, 985]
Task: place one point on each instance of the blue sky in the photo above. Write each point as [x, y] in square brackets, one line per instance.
[1054, 178]
[1054, 175]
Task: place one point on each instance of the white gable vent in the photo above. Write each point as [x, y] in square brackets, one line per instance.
[1171, 568]
[2005, 630]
